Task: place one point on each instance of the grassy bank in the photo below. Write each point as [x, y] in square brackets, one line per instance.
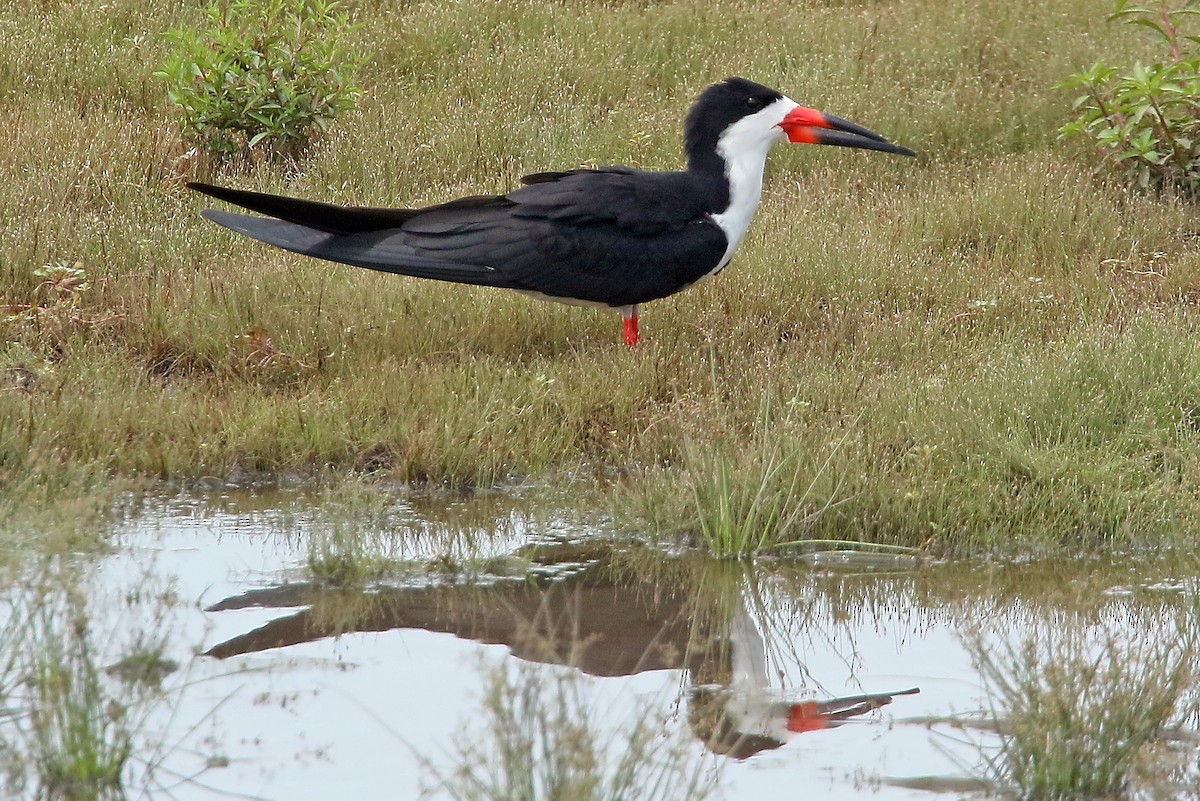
[983, 346]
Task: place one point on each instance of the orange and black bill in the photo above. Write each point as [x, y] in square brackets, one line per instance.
[809, 126]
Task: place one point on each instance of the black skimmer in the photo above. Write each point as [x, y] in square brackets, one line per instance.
[613, 236]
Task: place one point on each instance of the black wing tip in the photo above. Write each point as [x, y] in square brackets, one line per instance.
[237, 197]
[203, 188]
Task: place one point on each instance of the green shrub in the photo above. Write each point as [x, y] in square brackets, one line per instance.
[1145, 119]
[266, 74]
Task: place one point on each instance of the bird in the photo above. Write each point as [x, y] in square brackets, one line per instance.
[613, 237]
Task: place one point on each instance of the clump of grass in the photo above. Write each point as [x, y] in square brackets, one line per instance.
[363, 531]
[748, 503]
[78, 734]
[77, 730]
[739, 499]
[1075, 711]
[359, 536]
[348, 557]
[540, 739]
[356, 534]
[52, 508]
[78, 725]
[266, 74]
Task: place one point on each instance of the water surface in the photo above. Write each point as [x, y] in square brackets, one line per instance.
[782, 677]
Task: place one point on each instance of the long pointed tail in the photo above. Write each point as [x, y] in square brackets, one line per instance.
[327, 217]
[385, 251]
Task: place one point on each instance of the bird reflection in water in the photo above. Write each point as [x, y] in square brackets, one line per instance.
[585, 607]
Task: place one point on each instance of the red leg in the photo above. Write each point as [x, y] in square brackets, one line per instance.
[631, 329]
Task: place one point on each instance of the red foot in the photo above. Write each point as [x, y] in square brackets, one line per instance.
[631, 331]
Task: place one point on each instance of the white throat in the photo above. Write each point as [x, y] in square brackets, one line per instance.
[744, 146]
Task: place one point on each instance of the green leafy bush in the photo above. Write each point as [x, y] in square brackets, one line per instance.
[266, 74]
[1145, 119]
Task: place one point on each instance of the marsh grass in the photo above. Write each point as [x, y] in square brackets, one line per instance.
[759, 498]
[741, 516]
[59, 508]
[79, 724]
[346, 557]
[78, 733]
[542, 739]
[361, 530]
[1078, 710]
[1018, 337]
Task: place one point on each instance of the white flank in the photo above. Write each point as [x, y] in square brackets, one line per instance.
[529, 293]
[744, 146]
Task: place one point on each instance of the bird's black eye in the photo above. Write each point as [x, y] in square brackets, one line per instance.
[753, 102]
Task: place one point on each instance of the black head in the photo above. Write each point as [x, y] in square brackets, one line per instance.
[745, 118]
[718, 107]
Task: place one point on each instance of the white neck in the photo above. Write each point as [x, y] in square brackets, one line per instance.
[744, 146]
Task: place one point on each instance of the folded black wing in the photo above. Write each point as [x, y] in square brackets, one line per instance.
[614, 237]
[636, 201]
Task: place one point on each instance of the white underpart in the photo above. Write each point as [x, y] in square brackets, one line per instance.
[627, 312]
[744, 146]
[595, 304]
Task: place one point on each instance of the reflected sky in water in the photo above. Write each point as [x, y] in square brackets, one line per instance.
[725, 648]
